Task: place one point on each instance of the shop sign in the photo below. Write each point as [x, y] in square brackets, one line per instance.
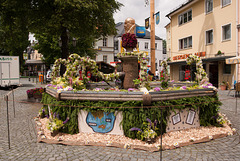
[184, 56]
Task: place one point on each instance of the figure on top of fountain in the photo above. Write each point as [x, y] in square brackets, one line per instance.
[129, 40]
[129, 25]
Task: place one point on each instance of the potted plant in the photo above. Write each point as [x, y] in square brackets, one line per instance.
[148, 133]
[54, 124]
[223, 85]
[219, 53]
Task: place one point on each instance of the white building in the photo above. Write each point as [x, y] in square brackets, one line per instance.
[107, 48]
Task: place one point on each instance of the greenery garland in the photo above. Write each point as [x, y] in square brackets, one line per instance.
[134, 117]
[201, 74]
[143, 80]
[164, 75]
[73, 64]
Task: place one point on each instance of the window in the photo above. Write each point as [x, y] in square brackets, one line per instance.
[227, 68]
[226, 2]
[209, 37]
[226, 32]
[209, 5]
[155, 46]
[116, 45]
[146, 45]
[105, 58]
[185, 43]
[185, 17]
[104, 41]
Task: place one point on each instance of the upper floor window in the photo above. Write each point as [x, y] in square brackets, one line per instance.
[155, 46]
[146, 45]
[209, 37]
[226, 2]
[209, 5]
[105, 58]
[226, 32]
[104, 41]
[185, 17]
[116, 45]
[185, 43]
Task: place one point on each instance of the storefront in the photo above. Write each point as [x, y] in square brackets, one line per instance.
[216, 68]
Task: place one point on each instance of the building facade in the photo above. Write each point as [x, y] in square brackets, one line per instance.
[209, 29]
[105, 49]
[113, 46]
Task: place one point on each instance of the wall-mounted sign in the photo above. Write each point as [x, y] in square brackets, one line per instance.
[184, 56]
[147, 23]
[140, 31]
[157, 18]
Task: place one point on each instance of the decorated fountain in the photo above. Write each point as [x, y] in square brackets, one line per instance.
[136, 110]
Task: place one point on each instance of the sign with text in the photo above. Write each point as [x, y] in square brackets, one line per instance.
[140, 31]
[184, 56]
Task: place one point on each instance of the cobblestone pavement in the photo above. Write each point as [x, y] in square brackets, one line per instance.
[24, 145]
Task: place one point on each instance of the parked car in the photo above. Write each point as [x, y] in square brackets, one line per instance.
[48, 76]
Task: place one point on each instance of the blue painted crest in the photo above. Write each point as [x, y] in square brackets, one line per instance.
[99, 121]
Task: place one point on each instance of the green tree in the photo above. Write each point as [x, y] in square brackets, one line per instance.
[13, 28]
[85, 20]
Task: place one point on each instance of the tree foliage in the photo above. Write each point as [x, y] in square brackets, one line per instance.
[51, 20]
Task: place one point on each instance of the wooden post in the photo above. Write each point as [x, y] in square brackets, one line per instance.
[152, 36]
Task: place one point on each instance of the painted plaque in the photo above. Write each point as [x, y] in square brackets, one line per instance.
[190, 117]
[99, 121]
[176, 119]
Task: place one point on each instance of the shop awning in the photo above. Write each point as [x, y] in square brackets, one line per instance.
[234, 60]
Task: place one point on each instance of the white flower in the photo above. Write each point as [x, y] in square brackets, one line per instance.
[230, 134]
[158, 146]
[59, 91]
[192, 139]
[144, 90]
[126, 146]
[233, 129]
[210, 137]
[109, 143]
[176, 144]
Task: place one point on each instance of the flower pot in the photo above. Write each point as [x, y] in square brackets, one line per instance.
[223, 87]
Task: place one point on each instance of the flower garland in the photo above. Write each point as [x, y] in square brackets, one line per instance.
[73, 64]
[129, 40]
[142, 58]
[164, 75]
[200, 74]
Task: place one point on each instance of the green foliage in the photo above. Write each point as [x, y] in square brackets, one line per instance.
[134, 117]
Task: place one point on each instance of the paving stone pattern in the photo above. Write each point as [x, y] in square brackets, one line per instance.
[24, 146]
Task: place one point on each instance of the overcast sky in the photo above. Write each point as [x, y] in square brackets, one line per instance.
[137, 10]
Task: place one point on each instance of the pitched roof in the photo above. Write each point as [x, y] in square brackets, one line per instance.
[121, 31]
[180, 7]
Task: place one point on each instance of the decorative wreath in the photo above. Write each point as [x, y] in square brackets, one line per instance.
[129, 40]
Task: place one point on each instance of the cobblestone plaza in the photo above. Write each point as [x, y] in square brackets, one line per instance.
[24, 144]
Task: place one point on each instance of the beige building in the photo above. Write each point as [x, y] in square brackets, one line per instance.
[209, 29]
